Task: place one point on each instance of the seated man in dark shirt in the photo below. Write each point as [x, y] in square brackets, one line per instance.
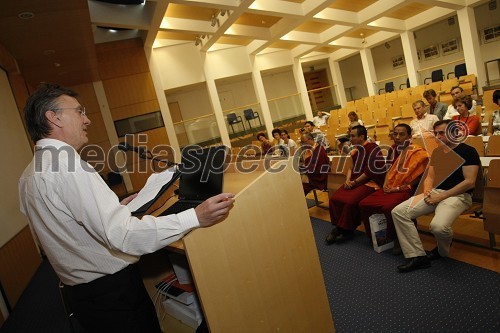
[448, 185]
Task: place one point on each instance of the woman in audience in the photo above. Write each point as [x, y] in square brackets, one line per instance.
[266, 145]
[287, 142]
[354, 120]
[494, 124]
[277, 137]
[463, 105]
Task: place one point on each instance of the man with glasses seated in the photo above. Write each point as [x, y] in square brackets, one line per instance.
[447, 187]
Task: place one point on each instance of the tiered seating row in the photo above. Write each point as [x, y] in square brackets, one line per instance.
[379, 113]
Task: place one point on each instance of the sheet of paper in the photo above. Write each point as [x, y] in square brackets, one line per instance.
[151, 189]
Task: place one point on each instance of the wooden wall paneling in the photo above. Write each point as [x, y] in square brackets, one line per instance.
[140, 169]
[121, 58]
[129, 90]
[97, 130]
[136, 109]
[7, 61]
[19, 260]
[19, 90]
[87, 98]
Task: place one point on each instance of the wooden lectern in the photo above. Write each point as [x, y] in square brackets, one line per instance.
[258, 270]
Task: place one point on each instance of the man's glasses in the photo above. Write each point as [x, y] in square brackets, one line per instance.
[80, 109]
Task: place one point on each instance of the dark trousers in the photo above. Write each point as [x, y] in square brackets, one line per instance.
[381, 203]
[344, 211]
[114, 303]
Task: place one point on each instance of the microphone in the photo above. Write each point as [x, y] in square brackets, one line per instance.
[124, 146]
[144, 153]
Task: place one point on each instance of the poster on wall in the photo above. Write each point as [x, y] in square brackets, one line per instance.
[449, 47]
[431, 52]
[398, 62]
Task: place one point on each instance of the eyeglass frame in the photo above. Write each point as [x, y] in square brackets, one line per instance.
[80, 109]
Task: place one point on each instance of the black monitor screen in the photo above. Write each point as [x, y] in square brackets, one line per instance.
[202, 172]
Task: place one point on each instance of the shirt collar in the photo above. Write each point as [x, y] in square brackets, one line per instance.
[47, 142]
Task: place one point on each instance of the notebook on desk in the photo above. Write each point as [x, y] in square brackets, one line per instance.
[202, 176]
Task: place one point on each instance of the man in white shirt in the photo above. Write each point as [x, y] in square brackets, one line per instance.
[321, 119]
[318, 136]
[457, 92]
[423, 124]
[89, 237]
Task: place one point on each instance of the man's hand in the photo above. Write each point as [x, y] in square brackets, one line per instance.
[214, 209]
[433, 198]
[128, 199]
[349, 184]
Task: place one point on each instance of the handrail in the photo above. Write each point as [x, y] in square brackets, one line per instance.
[441, 65]
[196, 118]
[240, 107]
[391, 78]
[322, 88]
[282, 97]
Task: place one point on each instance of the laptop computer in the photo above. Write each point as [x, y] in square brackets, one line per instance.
[202, 177]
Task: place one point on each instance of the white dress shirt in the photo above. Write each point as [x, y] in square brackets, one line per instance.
[321, 121]
[84, 230]
[424, 124]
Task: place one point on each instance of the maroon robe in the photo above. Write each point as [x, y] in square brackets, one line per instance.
[344, 211]
[317, 167]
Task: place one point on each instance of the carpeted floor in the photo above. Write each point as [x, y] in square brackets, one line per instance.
[367, 294]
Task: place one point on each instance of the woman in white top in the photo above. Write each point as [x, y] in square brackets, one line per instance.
[289, 143]
[354, 120]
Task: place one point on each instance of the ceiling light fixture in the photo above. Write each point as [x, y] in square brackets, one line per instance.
[197, 41]
[362, 35]
[215, 20]
[26, 15]
[222, 12]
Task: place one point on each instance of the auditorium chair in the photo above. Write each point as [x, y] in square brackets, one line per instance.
[491, 199]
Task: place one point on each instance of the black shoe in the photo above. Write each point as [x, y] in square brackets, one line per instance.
[433, 254]
[344, 237]
[414, 263]
[330, 238]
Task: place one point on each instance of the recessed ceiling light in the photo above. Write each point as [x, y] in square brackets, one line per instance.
[57, 64]
[26, 15]
[48, 52]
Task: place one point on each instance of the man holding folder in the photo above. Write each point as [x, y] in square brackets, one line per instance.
[90, 238]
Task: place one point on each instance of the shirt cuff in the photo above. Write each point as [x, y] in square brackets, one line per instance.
[188, 219]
